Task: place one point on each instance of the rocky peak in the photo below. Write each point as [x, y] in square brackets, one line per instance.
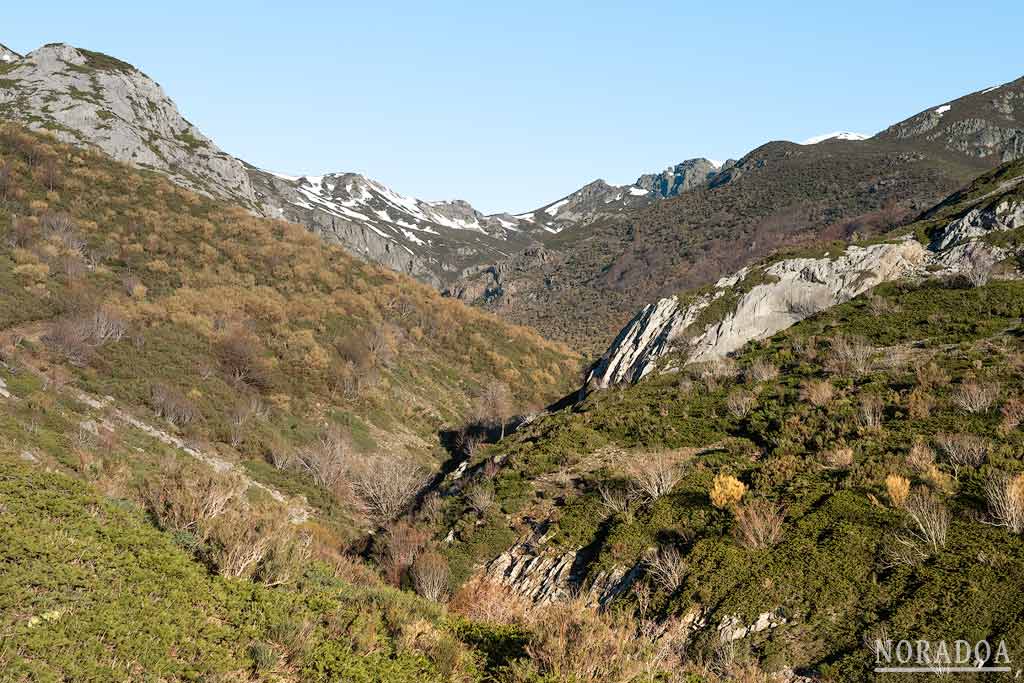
[688, 175]
[8, 55]
[988, 124]
[94, 100]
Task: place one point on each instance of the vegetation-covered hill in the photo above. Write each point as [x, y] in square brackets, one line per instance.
[251, 338]
[858, 476]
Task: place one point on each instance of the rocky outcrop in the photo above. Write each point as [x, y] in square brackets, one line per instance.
[760, 301]
[7, 55]
[91, 99]
[544, 575]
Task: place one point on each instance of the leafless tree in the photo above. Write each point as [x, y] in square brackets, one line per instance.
[183, 502]
[929, 518]
[384, 486]
[430, 576]
[401, 543]
[1005, 496]
[327, 459]
[494, 404]
[974, 396]
[963, 450]
[762, 370]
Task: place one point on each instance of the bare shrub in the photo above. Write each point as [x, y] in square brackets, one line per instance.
[929, 518]
[817, 392]
[383, 487]
[898, 489]
[186, 502]
[570, 641]
[430, 576]
[1012, 413]
[1005, 495]
[618, 500]
[871, 410]
[77, 335]
[963, 450]
[740, 402]
[287, 557]
[481, 498]
[975, 396]
[758, 523]
[920, 403]
[726, 490]
[172, 405]
[761, 370]
[240, 544]
[654, 475]
[58, 224]
[326, 460]
[245, 410]
[667, 568]
[838, 457]
[921, 457]
[240, 354]
[481, 599]
[401, 543]
[850, 356]
[931, 376]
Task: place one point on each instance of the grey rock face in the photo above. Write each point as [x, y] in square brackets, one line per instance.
[688, 175]
[90, 99]
[785, 292]
[986, 124]
[543, 575]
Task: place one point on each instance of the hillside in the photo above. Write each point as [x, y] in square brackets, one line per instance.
[779, 196]
[854, 477]
[250, 337]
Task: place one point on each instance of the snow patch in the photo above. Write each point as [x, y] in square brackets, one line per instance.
[553, 209]
[638, 191]
[943, 109]
[837, 135]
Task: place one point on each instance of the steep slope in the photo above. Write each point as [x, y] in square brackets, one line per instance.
[91, 99]
[835, 483]
[249, 337]
[779, 196]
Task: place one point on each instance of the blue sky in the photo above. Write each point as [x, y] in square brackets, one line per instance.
[511, 105]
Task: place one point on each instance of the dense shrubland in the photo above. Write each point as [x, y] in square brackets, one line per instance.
[860, 471]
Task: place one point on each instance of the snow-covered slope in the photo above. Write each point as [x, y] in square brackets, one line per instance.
[434, 241]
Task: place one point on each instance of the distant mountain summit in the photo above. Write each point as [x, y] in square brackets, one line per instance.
[95, 100]
[598, 198]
